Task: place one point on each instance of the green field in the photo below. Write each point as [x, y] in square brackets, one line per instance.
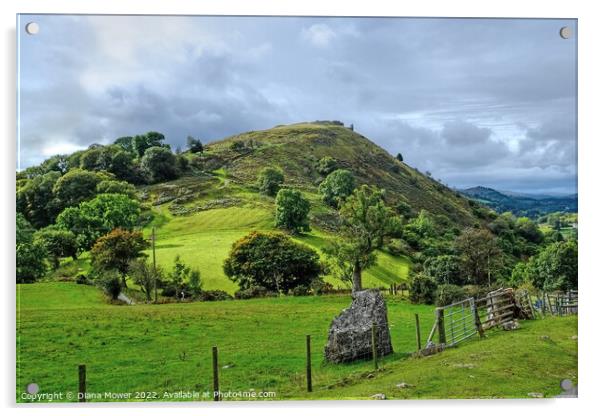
[203, 240]
[167, 348]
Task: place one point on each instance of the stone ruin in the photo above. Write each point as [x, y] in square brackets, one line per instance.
[350, 334]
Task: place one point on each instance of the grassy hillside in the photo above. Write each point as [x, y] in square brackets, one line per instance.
[262, 347]
[199, 216]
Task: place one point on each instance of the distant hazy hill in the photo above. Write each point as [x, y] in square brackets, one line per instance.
[520, 204]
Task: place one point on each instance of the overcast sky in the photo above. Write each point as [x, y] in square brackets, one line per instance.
[476, 102]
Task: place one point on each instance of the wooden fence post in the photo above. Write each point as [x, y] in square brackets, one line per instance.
[440, 325]
[374, 347]
[477, 320]
[216, 397]
[418, 341]
[82, 383]
[308, 363]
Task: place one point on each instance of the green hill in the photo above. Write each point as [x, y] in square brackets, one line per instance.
[200, 215]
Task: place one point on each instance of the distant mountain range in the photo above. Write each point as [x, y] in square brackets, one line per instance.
[522, 204]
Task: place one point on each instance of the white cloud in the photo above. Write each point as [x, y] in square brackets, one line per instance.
[319, 34]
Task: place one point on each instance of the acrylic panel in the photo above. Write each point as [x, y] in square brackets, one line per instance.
[229, 208]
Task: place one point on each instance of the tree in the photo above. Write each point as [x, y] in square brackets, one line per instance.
[194, 145]
[399, 157]
[272, 261]
[141, 143]
[365, 222]
[480, 254]
[555, 267]
[423, 289]
[57, 243]
[445, 269]
[145, 275]
[126, 143]
[117, 249]
[529, 230]
[336, 187]
[116, 187]
[292, 210]
[94, 218]
[31, 255]
[269, 181]
[35, 199]
[327, 165]
[76, 186]
[159, 164]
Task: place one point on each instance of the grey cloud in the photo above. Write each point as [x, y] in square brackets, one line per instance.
[470, 100]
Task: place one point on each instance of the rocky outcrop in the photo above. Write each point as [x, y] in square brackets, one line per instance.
[350, 334]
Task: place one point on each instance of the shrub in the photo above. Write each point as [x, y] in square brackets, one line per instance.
[269, 181]
[159, 164]
[327, 165]
[81, 279]
[299, 291]
[422, 289]
[213, 295]
[254, 292]
[447, 294]
[111, 284]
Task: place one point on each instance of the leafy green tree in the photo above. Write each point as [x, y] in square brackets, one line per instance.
[145, 276]
[57, 243]
[116, 187]
[110, 282]
[269, 181]
[31, 255]
[94, 218]
[194, 145]
[35, 199]
[159, 164]
[399, 157]
[480, 254]
[327, 165]
[292, 209]
[126, 143]
[116, 250]
[142, 143]
[272, 261]
[336, 187]
[365, 222]
[423, 289]
[555, 267]
[529, 230]
[445, 269]
[76, 186]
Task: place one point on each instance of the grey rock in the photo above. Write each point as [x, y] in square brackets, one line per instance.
[378, 396]
[404, 385]
[350, 334]
[511, 325]
[535, 395]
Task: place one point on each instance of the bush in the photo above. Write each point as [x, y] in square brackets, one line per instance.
[271, 260]
[213, 295]
[81, 279]
[423, 289]
[254, 292]
[299, 291]
[398, 247]
[327, 165]
[447, 294]
[159, 164]
[336, 187]
[269, 181]
[111, 284]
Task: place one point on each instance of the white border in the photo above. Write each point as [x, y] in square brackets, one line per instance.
[590, 93]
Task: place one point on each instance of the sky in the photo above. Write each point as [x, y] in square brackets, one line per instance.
[488, 102]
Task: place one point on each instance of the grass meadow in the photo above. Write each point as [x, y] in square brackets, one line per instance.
[167, 348]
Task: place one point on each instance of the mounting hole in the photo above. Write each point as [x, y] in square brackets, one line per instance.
[32, 28]
[32, 388]
[565, 32]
